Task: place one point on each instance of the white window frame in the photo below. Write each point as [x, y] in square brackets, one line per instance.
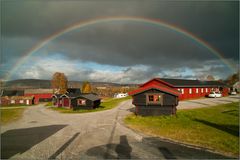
[81, 102]
[190, 90]
[196, 90]
[182, 90]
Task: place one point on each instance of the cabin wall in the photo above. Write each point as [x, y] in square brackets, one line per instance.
[89, 104]
[202, 92]
[167, 108]
[155, 110]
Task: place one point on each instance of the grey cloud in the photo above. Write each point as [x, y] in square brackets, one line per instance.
[26, 23]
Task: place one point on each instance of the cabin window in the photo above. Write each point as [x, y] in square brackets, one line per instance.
[81, 102]
[202, 90]
[154, 98]
[196, 90]
[21, 101]
[182, 91]
[190, 91]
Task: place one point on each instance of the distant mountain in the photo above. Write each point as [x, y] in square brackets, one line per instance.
[40, 83]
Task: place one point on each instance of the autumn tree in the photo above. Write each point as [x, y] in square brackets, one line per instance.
[210, 78]
[86, 87]
[59, 83]
[233, 79]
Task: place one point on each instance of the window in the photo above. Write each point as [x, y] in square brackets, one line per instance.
[81, 102]
[12, 101]
[179, 89]
[196, 90]
[190, 90]
[154, 98]
[202, 90]
[150, 98]
[206, 90]
[182, 91]
[21, 101]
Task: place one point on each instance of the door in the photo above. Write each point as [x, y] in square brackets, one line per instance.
[66, 102]
[27, 101]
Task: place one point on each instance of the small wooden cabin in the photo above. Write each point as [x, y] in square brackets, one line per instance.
[86, 101]
[74, 99]
[155, 100]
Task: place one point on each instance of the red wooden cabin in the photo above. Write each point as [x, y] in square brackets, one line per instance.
[189, 89]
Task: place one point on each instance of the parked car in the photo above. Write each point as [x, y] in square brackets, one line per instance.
[233, 93]
[215, 94]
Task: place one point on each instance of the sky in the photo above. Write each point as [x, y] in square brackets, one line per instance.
[123, 51]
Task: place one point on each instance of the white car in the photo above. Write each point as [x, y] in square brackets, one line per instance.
[233, 92]
[215, 94]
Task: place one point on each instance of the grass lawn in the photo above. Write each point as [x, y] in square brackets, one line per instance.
[107, 104]
[10, 115]
[214, 127]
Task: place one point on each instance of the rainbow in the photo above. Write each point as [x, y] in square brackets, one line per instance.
[88, 23]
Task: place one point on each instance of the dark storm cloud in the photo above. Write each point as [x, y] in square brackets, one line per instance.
[25, 23]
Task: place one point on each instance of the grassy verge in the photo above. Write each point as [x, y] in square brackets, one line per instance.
[10, 115]
[107, 104]
[215, 127]
[49, 104]
[15, 105]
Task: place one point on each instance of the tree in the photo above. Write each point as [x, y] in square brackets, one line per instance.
[59, 83]
[86, 87]
[233, 79]
[210, 78]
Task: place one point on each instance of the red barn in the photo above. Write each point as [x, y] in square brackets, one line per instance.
[40, 95]
[190, 89]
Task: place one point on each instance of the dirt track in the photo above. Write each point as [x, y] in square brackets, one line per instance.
[43, 133]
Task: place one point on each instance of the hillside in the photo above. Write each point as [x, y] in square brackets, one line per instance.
[40, 83]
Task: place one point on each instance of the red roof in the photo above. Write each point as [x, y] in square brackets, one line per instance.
[158, 87]
[155, 79]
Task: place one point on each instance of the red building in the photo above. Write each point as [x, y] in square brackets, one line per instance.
[40, 95]
[189, 89]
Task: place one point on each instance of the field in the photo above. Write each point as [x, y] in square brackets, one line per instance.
[10, 115]
[107, 104]
[216, 128]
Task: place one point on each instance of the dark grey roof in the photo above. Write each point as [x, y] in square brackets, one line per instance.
[90, 96]
[12, 93]
[74, 90]
[192, 83]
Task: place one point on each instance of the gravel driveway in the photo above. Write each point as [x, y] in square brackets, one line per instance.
[46, 134]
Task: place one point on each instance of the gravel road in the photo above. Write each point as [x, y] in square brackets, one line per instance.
[46, 134]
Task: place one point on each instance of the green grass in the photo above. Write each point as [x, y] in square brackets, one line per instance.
[49, 104]
[10, 115]
[108, 104]
[15, 105]
[215, 127]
